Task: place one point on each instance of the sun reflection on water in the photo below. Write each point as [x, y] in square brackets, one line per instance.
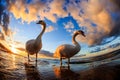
[13, 61]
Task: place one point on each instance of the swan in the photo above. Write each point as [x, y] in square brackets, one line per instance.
[66, 50]
[33, 46]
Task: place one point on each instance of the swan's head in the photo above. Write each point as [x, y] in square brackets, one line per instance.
[80, 32]
[41, 22]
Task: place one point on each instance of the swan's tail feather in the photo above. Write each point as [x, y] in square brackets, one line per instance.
[56, 55]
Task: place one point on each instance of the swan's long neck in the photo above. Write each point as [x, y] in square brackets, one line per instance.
[77, 46]
[43, 30]
[38, 39]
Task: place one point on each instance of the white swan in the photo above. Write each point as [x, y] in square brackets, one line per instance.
[66, 50]
[33, 46]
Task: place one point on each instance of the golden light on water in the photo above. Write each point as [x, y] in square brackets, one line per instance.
[13, 61]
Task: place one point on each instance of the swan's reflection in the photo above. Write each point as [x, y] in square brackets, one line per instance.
[64, 72]
[32, 72]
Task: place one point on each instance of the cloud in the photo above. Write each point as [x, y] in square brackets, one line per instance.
[100, 19]
[4, 48]
[20, 9]
[49, 29]
[2, 36]
[4, 19]
[69, 26]
[30, 11]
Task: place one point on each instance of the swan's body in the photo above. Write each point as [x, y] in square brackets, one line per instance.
[33, 46]
[66, 50]
[30, 47]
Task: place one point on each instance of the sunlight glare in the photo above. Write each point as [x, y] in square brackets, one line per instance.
[13, 49]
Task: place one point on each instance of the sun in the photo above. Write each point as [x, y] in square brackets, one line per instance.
[13, 49]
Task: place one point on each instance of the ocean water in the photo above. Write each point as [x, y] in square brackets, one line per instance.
[14, 67]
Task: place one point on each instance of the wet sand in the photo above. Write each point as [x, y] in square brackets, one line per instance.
[15, 67]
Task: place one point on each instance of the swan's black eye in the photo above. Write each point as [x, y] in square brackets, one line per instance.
[40, 21]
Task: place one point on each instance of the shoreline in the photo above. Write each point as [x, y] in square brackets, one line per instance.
[14, 67]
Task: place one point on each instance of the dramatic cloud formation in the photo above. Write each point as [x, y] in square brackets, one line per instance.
[30, 11]
[100, 18]
[21, 9]
[4, 20]
[1, 36]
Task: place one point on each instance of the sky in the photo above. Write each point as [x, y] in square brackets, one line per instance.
[99, 19]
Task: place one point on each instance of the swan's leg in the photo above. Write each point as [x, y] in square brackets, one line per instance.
[28, 57]
[36, 59]
[61, 61]
[68, 61]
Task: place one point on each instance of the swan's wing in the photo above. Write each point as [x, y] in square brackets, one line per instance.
[29, 45]
[30, 42]
[64, 50]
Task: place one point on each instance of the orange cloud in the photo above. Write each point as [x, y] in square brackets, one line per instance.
[86, 13]
[97, 12]
[30, 12]
[49, 29]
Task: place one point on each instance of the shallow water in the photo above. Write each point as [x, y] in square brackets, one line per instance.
[14, 67]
